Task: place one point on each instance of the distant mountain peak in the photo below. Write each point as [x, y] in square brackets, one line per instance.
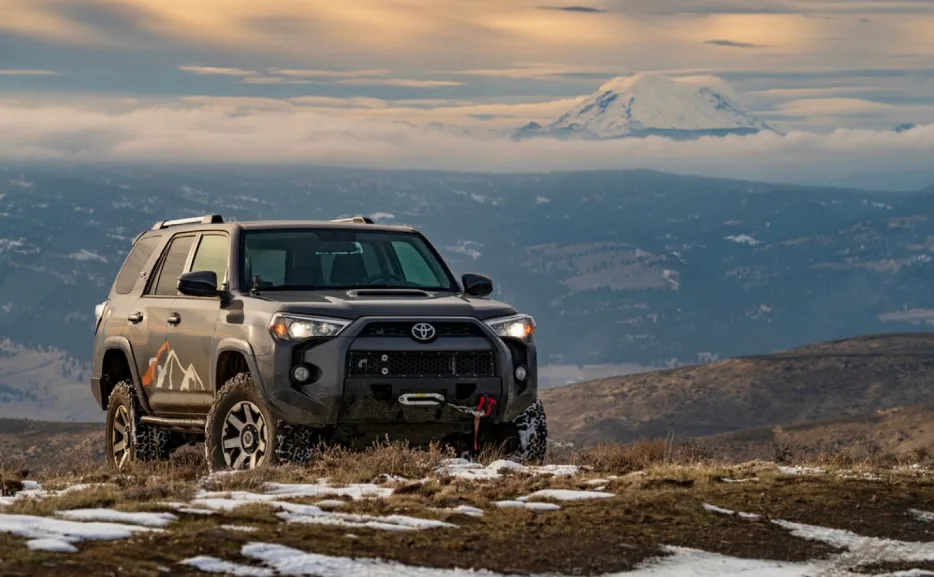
[651, 104]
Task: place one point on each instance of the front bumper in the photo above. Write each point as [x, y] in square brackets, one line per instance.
[340, 393]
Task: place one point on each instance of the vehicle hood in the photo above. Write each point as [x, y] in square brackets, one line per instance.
[344, 304]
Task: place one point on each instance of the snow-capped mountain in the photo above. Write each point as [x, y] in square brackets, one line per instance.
[650, 104]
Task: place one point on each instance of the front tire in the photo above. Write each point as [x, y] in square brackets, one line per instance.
[532, 430]
[128, 440]
[241, 433]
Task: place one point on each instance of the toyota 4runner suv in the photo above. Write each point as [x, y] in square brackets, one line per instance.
[267, 338]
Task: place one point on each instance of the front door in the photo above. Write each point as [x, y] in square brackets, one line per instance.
[191, 332]
[156, 368]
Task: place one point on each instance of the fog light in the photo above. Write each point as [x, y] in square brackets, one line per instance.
[301, 373]
[522, 373]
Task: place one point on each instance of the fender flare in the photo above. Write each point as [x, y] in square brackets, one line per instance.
[122, 344]
[241, 346]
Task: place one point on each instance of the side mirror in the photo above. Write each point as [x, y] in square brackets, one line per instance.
[198, 283]
[477, 285]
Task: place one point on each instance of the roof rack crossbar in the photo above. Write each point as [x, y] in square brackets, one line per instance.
[206, 219]
[355, 220]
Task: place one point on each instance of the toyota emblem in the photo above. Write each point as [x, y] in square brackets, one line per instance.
[423, 332]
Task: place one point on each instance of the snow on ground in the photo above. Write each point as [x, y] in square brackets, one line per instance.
[214, 565]
[310, 514]
[566, 495]
[145, 519]
[529, 506]
[33, 490]
[323, 489]
[723, 511]
[798, 470]
[464, 469]
[49, 534]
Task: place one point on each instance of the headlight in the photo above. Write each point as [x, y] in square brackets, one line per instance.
[288, 327]
[517, 327]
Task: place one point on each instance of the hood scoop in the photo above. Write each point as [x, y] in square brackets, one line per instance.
[399, 292]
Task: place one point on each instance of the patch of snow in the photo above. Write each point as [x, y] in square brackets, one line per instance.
[723, 511]
[51, 544]
[354, 491]
[310, 514]
[241, 528]
[861, 550]
[468, 510]
[45, 531]
[215, 565]
[567, 495]
[683, 562]
[799, 470]
[534, 506]
[464, 469]
[598, 481]
[746, 480]
[145, 519]
[922, 515]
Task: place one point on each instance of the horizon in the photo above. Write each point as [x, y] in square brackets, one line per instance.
[439, 84]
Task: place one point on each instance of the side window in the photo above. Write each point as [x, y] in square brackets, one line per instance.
[173, 265]
[414, 266]
[135, 261]
[212, 255]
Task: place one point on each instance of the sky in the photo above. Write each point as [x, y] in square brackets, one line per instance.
[437, 83]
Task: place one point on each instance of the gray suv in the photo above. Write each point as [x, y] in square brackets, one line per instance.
[264, 339]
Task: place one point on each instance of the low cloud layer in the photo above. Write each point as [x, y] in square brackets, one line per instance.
[272, 131]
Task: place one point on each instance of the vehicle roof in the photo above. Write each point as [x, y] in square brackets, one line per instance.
[279, 224]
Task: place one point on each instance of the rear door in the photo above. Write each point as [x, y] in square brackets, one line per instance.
[191, 330]
[154, 358]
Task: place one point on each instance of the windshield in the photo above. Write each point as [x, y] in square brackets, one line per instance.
[321, 259]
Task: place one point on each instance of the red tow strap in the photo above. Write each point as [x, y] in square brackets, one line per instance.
[479, 413]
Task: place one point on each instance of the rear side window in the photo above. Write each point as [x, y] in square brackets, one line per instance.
[173, 265]
[135, 261]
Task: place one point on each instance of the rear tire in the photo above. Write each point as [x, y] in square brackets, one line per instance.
[241, 433]
[127, 439]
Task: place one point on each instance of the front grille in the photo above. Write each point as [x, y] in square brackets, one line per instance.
[404, 329]
[420, 364]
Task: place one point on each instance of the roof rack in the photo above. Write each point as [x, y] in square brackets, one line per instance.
[206, 219]
[355, 220]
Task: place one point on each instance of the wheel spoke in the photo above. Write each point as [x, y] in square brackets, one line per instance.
[248, 414]
[261, 447]
[232, 443]
[238, 464]
[121, 446]
[236, 423]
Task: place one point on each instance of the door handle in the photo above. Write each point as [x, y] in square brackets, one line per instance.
[135, 317]
[174, 319]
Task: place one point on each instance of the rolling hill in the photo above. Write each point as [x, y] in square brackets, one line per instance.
[850, 379]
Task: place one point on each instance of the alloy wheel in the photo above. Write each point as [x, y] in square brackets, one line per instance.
[121, 436]
[244, 436]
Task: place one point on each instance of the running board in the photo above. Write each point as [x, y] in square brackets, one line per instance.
[173, 423]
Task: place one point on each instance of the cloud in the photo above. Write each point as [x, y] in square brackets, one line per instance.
[732, 44]
[26, 72]
[406, 82]
[216, 71]
[583, 9]
[204, 129]
[304, 73]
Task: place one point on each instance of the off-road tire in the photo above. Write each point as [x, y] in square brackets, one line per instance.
[285, 443]
[532, 430]
[144, 443]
